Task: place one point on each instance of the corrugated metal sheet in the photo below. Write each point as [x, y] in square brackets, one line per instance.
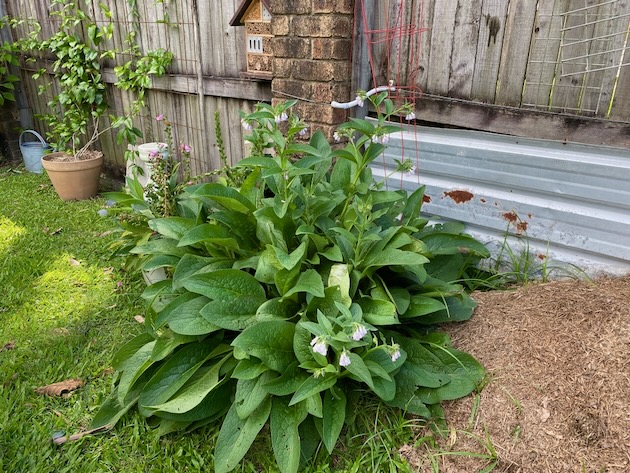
[572, 201]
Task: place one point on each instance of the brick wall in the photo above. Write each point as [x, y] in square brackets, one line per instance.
[9, 133]
[312, 48]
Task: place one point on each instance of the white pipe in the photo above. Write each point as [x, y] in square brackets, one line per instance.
[357, 101]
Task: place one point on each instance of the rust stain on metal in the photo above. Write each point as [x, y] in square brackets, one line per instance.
[426, 199]
[510, 217]
[513, 219]
[458, 196]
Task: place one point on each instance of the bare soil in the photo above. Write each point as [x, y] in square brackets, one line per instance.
[62, 157]
[558, 392]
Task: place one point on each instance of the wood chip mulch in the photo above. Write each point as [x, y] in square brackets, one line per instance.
[558, 397]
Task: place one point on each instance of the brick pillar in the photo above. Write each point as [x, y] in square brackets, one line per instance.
[312, 49]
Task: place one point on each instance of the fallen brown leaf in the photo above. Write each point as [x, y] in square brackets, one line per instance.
[8, 346]
[52, 232]
[61, 389]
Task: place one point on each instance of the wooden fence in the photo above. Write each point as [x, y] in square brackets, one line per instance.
[204, 77]
[542, 68]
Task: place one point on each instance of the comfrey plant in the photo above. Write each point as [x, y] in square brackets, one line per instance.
[290, 295]
[134, 207]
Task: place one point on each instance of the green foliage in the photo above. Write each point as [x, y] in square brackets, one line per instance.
[306, 285]
[78, 52]
[8, 58]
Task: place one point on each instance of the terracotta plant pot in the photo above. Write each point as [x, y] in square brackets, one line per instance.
[74, 179]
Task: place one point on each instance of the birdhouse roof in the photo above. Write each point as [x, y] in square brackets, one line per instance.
[237, 19]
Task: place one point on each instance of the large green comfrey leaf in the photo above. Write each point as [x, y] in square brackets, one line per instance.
[174, 373]
[285, 437]
[236, 314]
[312, 386]
[160, 246]
[334, 416]
[190, 264]
[290, 261]
[250, 393]
[183, 316]
[270, 341]
[277, 309]
[172, 227]
[237, 435]
[465, 374]
[195, 390]
[226, 197]
[225, 284]
[450, 244]
[211, 407]
[310, 282]
[134, 368]
[458, 309]
[378, 311]
[126, 352]
[422, 305]
[211, 234]
[288, 382]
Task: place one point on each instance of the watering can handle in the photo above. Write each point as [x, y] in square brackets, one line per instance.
[20, 141]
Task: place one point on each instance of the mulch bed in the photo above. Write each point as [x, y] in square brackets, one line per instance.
[558, 397]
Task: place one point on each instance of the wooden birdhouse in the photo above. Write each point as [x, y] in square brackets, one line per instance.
[255, 15]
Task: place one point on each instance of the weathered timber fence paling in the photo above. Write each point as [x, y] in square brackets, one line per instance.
[557, 69]
[204, 77]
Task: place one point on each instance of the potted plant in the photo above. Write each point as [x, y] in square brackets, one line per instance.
[77, 110]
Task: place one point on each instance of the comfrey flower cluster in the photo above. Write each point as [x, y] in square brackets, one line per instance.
[321, 344]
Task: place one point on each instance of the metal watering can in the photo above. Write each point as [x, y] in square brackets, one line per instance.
[32, 151]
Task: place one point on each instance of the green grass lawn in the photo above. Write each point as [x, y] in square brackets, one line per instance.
[65, 308]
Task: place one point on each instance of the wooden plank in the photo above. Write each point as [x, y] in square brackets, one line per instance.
[246, 89]
[543, 55]
[399, 49]
[229, 87]
[361, 70]
[213, 65]
[516, 41]
[489, 45]
[441, 47]
[519, 122]
[232, 42]
[577, 29]
[465, 37]
[237, 135]
[424, 11]
[620, 106]
[608, 50]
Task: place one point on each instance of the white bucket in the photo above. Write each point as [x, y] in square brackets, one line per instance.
[143, 161]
